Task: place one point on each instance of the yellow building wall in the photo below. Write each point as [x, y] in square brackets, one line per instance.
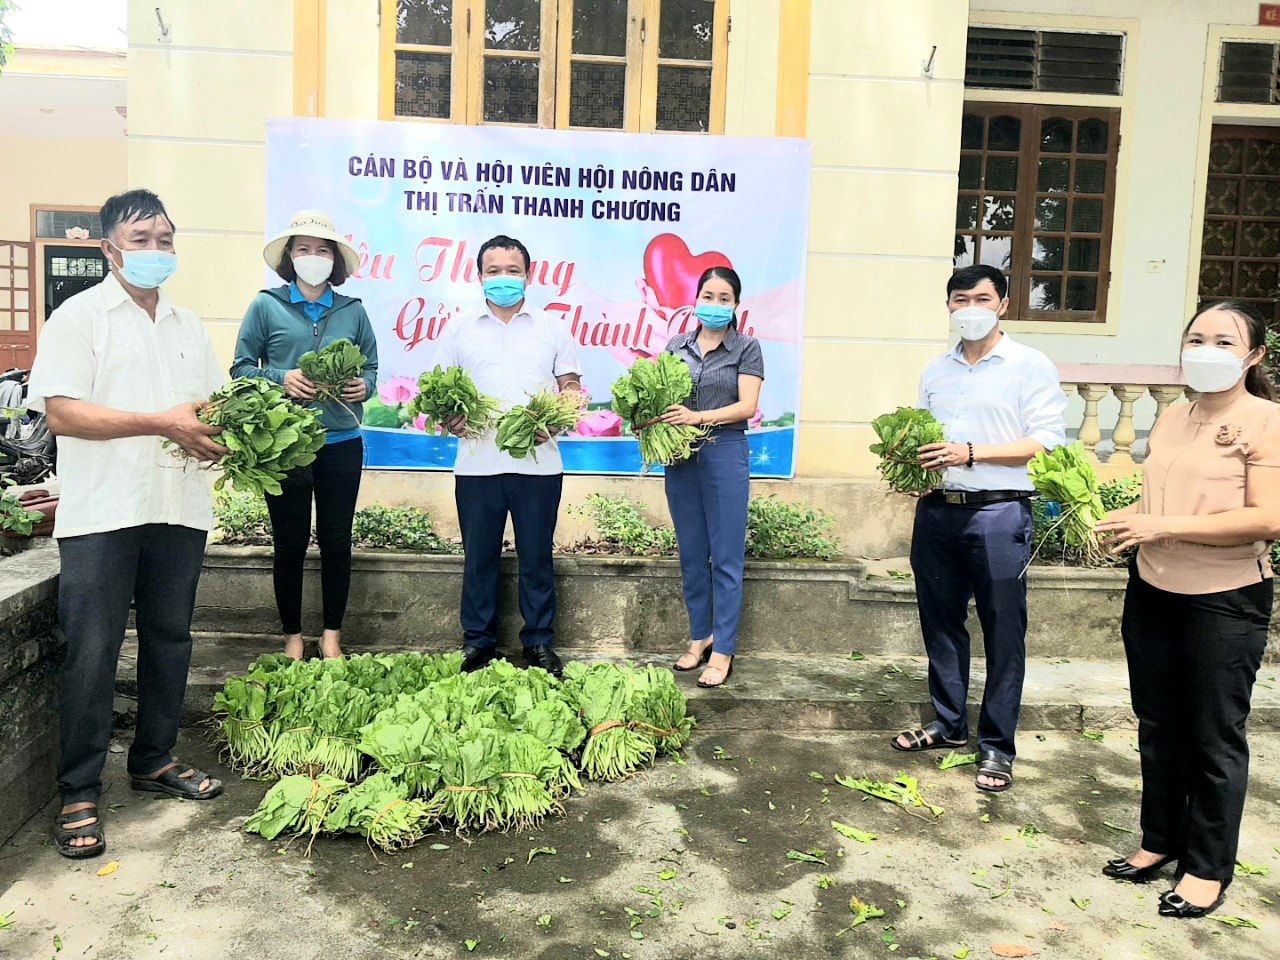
[56, 171]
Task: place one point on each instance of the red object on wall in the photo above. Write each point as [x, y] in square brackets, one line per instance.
[1269, 14]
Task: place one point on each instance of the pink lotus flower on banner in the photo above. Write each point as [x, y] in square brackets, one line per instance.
[398, 391]
[756, 420]
[420, 422]
[602, 423]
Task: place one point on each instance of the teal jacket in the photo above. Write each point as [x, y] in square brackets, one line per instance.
[275, 333]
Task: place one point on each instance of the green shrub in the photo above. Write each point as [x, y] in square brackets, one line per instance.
[619, 523]
[241, 518]
[399, 528]
[15, 518]
[784, 531]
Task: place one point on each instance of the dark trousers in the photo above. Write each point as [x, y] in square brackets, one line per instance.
[483, 505]
[979, 552]
[707, 496]
[1192, 663]
[334, 481]
[156, 567]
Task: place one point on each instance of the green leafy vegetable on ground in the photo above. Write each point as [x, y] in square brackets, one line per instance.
[904, 790]
[444, 394]
[643, 394]
[545, 412]
[902, 434]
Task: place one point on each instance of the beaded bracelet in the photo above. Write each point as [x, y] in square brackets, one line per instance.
[970, 463]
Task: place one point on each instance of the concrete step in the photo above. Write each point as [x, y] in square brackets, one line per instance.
[788, 693]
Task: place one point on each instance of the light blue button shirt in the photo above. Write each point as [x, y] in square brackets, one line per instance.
[1010, 394]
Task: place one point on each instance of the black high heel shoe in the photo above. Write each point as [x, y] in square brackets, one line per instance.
[706, 655]
[1180, 908]
[1121, 869]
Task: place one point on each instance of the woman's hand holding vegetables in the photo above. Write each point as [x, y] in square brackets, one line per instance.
[457, 426]
[681, 416]
[298, 386]
[181, 425]
[355, 391]
[1131, 530]
[940, 456]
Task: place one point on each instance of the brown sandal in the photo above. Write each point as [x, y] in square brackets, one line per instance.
[727, 671]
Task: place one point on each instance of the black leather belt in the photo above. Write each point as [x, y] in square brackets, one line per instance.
[964, 497]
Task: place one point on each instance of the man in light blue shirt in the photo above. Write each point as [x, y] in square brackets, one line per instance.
[1000, 404]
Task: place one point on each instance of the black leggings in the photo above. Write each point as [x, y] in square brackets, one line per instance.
[334, 478]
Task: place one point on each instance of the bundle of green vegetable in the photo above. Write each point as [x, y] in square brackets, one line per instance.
[642, 395]
[446, 394]
[1066, 477]
[902, 434]
[545, 412]
[333, 367]
[381, 809]
[296, 803]
[267, 434]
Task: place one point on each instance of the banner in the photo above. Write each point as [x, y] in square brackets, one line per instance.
[619, 227]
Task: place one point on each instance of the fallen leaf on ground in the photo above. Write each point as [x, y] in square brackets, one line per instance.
[109, 869]
[1012, 950]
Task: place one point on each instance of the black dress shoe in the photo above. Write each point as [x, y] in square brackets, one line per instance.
[546, 658]
[475, 658]
[1121, 869]
[1176, 906]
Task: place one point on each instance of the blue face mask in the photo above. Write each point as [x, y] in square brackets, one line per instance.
[714, 316]
[147, 269]
[504, 291]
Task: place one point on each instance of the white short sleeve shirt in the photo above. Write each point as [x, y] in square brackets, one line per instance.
[510, 361]
[101, 347]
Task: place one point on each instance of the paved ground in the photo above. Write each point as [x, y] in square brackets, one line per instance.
[688, 860]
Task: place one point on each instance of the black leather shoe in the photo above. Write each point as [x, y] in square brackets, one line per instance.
[1121, 869]
[546, 658]
[475, 658]
[1176, 906]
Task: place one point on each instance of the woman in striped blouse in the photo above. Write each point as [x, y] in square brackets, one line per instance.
[708, 493]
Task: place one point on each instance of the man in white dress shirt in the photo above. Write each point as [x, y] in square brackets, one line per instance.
[510, 352]
[1000, 403]
[120, 370]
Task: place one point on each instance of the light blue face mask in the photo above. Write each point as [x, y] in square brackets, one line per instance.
[147, 269]
[504, 291]
[714, 316]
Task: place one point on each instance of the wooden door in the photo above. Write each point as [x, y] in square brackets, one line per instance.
[17, 305]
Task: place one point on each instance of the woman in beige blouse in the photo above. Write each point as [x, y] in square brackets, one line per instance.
[1198, 605]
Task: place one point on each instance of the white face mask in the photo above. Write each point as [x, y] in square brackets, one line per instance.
[312, 269]
[1211, 369]
[974, 323]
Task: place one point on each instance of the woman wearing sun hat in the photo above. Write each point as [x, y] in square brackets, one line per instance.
[280, 326]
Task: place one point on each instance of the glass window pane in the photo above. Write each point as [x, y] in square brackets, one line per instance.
[512, 24]
[1259, 240]
[1082, 293]
[597, 92]
[1223, 197]
[1262, 198]
[971, 132]
[1091, 176]
[1092, 136]
[1004, 133]
[1046, 293]
[1086, 216]
[684, 31]
[998, 214]
[510, 90]
[425, 21]
[1051, 214]
[1085, 255]
[1002, 173]
[684, 98]
[600, 27]
[423, 85]
[1054, 176]
[1046, 253]
[1226, 156]
[970, 172]
[1219, 238]
[6, 319]
[996, 252]
[1055, 135]
[967, 213]
[1263, 158]
[963, 255]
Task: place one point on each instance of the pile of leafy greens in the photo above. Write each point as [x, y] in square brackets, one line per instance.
[545, 412]
[643, 394]
[902, 434]
[333, 367]
[1065, 476]
[444, 394]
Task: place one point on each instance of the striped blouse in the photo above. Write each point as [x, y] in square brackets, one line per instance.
[715, 376]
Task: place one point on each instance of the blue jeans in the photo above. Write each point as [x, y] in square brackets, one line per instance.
[483, 505]
[156, 567]
[707, 495]
[979, 552]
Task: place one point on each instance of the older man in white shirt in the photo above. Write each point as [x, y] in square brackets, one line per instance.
[1000, 403]
[120, 370]
[510, 352]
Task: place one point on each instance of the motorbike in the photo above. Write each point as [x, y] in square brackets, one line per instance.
[28, 448]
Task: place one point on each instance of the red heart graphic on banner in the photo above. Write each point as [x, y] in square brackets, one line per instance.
[673, 272]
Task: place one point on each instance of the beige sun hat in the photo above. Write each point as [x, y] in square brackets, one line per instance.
[310, 223]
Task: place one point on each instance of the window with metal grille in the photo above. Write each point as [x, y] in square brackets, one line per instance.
[1045, 60]
[1249, 73]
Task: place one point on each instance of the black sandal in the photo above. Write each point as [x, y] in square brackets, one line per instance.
[928, 737]
[702, 658]
[63, 835]
[995, 767]
[175, 784]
